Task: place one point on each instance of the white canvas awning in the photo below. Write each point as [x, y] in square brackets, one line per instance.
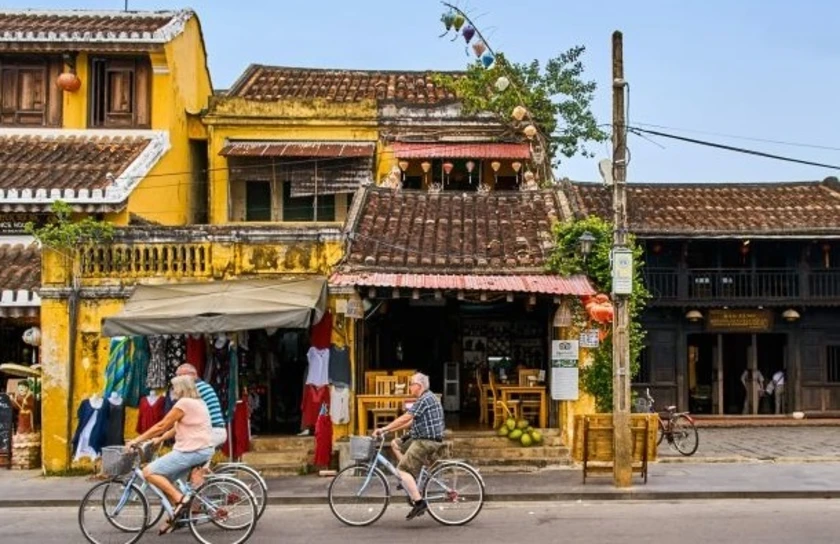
[220, 306]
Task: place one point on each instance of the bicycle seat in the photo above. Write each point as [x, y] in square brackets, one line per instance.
[671, 408]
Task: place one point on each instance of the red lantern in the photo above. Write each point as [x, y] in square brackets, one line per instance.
[69, 82]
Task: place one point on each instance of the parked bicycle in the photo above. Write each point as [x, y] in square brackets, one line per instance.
[222, 509]
[360, 494]
[677, 427]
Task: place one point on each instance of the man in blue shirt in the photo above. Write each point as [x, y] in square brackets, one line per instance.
[425, 439]
[218, 433]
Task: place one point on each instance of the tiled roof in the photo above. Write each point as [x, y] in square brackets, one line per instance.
[38, 166]
[548, 284]
[91, 26]
[451, 232]
[20, 267]
[736, 209]
[272, 83]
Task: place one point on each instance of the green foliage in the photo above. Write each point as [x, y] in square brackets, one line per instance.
[63, 234]
[597, 378]
[554, 95]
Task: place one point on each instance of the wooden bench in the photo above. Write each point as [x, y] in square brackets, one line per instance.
[598, 446]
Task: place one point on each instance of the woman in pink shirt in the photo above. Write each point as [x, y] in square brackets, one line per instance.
[189, 422]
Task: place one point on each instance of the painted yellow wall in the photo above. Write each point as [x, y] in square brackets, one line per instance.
[238, 119]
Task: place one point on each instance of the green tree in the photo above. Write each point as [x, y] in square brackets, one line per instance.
[597, 378]
[557, 97]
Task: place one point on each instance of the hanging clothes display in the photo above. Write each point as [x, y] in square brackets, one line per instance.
[323, 439]
[340, 404]
[233, 383]
[150, 412]
[221, 371]
[156, 375]
[176, 353]
[117, 367]
[320, 334]
[239, 437]
[135, 383]
[92, 429]
[319, 366]
[197, 352]
[115, 434]
[339, 365]
[313, 398]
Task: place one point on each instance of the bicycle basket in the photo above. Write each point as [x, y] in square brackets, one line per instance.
[362, 448]
[115, 461]
[641, 406]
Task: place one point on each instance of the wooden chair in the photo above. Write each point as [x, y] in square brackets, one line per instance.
[385, 411]
[370, 380]
[486, 401]
[404, 376]
[501, 410]
[530, 408]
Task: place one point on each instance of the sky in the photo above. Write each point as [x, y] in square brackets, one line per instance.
[735, 72]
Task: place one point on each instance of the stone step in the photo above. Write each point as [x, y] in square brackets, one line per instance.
[258, 459]
[273, 471]
[518, 454]
[283, 443]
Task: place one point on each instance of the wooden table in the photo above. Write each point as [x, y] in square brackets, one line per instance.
[507, 392]
[366, 402]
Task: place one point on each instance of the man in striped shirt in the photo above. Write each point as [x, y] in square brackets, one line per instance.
[218, 433]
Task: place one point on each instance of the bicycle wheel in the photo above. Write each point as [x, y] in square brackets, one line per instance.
[661, 431]
[156, 511]
[685, 435]
[454, 493]
[359, 495]
[111, 514]
[222, 510]
[251, 478]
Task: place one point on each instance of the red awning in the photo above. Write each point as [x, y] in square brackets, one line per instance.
[461, 150]
[545, 284]
[268, 148]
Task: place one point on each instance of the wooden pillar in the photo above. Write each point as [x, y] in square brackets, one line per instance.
[682, 366]
[752, 365]
[718, 369]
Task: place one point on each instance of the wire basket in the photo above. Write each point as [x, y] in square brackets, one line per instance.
[641, 406]
[362, 448]
[115, 461]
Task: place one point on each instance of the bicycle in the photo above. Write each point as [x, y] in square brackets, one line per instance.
[212, 512]
[446, 485]
[677, 427]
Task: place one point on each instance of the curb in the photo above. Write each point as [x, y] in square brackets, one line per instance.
[640, 495]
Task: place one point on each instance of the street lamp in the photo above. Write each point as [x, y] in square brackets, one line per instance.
[586, 240]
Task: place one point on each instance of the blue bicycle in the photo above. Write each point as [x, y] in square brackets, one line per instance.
[359, 494]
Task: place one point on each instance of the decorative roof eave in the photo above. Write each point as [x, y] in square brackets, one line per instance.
[112, 198]
[168, 31]
[20, 298]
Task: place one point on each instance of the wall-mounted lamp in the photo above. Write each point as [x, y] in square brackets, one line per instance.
[586, 240]
[694, 315]
[790, 315]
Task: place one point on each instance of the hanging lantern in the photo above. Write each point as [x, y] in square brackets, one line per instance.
[447, 19]
[519, 113]
[502, 84]
[458, 21]
[426, 166]
[517, 166]
[69, 82]
[495, 165]
[488, 60]
[530, 131]
[470, 167]
[447, 168]
[403, 168]
[468, 33]
[479, 48]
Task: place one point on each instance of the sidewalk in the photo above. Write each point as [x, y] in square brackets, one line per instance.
[666, 482]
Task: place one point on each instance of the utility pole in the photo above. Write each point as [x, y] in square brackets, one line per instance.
[622, 438]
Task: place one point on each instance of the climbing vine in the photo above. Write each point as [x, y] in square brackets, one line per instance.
[567, 259]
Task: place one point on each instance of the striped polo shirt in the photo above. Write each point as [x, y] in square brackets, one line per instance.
[212, 401]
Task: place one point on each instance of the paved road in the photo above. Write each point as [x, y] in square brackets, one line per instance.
[763, 443]
[689, 522]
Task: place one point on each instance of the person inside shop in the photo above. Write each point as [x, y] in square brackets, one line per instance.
[189, 422]
[776, 387]
[752, 386]
[425, 438]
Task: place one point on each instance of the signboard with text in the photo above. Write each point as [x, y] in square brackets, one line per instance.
[564, 369]
[739, 320]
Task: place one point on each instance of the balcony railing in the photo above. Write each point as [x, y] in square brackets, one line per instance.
[129, 260]
[718, 284]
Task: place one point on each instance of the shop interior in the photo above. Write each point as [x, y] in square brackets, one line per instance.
[452, 340]
[771, 349]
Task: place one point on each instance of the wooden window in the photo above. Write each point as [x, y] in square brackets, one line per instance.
[832, 363]
[23, 91]
[644, 374]
[258, 201]
[302, 208]
[119, 92]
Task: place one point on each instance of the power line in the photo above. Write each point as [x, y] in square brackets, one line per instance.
[637, 131]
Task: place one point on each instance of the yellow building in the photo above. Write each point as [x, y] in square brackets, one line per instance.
[99, 110]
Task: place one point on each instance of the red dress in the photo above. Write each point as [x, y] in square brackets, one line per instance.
[240, 431]
[313, 397]
[197, 353]
[320, 334]
[149, 414]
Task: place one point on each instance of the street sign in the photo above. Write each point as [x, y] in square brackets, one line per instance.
[622, 279]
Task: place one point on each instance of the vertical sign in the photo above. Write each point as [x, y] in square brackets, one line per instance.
[564, 370]
[6, 418]
[622, 271]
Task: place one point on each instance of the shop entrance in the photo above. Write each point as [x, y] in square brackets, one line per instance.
[715, 379]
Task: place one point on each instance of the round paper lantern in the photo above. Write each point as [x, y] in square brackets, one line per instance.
[403, 165]
[32, 336]
[516, 166]
[468, 33]
[458, 21]
[488, 60]
[426, 166]
[447, 19]
[495, 165]
[502, 84]
[447, 167]
[479, 48]
[530, 131]
[519, 113]
[470, 166]
[69, 82]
